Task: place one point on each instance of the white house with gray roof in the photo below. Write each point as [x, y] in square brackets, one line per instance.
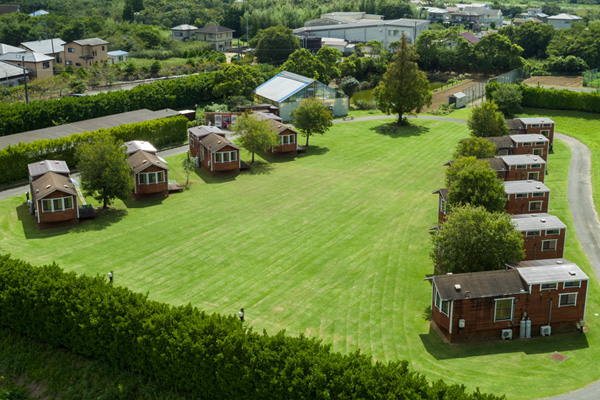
[48, 47]
[40, 65]
[562, 21]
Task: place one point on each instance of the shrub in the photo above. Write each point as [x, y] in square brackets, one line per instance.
[363, 104]
[188, 351]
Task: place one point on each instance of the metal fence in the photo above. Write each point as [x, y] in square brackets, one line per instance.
[478, 91]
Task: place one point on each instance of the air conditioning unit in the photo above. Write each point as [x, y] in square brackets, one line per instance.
[506, 334]
[546, 330]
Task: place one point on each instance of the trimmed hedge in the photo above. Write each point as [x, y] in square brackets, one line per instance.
[14, 159]
[188, 351]
[175, 93]
[556, 99]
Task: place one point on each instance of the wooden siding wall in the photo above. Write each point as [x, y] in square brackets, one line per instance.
[233, 166]
[287, 148]
[152, 188]
[57, 216]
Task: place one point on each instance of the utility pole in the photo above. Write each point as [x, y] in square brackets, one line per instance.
[25, 78]
[247, 36]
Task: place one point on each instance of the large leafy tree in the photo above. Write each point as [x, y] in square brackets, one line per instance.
[330, 58]
[476, 183]
[496, 52]
[532, 37]
[473, 239]
[236, 80]
[274, 44]
[508, 98]
[255, 134]
[404, 87]
[475, 147]
[486, 120]
[105, 174]
[304, 63]
[312, 117]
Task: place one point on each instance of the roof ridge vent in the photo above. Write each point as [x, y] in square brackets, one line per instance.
[48, 186]
[538, 187]
[572, 273]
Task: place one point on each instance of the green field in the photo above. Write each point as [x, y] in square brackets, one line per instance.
[333, 244]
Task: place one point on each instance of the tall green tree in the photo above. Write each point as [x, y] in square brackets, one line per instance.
[508, 98]
[404, 87]
[486, 120]
[330, 58]
[473, 239]
[477, 184]
[312, 117]
[475, 147]
[303, 62]
[275, 44]
[255, 134]
[105, 174]
[495, 52]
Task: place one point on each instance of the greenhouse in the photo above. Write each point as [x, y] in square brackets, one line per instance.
[286, 90]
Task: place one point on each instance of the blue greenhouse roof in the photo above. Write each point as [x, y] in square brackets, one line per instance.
[282, 86]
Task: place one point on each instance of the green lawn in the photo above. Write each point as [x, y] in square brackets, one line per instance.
[333, 244]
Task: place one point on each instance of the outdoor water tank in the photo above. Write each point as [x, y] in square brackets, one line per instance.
[522, 328]
[528, 329]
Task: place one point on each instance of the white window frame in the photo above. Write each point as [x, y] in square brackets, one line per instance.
[527, 143]
[231, 156]
[538, 194]
[560, 296]
[71, 50]
[290, 138]
[533, 233]
[521, 195]
[571, 286]
[443, 206]
[547, 125]
[536, 202]
[536, 165]
[545, 132]
[512, 308]
[147, 177]
[551, 232]
[549, 241]
[540, 144]
[62, 201]
[535, 125]
[439, 303]
[529, 176]
[538, 152]
[521, 166]
[549, 286]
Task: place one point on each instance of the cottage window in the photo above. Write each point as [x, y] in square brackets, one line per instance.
[545, 132]
[71, 50]
[533, 176]
[549, 245]
[287, 139]
[443, 206]
[59, 204]
[442, 305]
[147, 178]
[46, 64]
[521, 166]
[567, 299]
[504, 310]
[535, 125]
[552, 232]
[549, 286]
[143, 179]
[574, 284]
[538, 152]
[535, 206]
[538, 194]
[527, 143]
[547, 125]
[69, 62]
[540, 144]
[533, 233]
[178, 33]
[521, 195]
[191, 142]
[202, 152]
[225, 156]
[536, 165]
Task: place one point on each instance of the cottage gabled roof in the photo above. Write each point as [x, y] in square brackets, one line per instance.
[48, 46]
[534, 222]
[512, 187]
[279, 127]
[443, 193]
[205, 130]
[518, 159]
[139, 145]
[549, 271]
[215, 29]
[184, 27]
[214, 142]
[565, 17]
[50, 183]
[26, 56]
[470, 37]
[8, 70]
[9, 8]
[141, 160]
[479, 284]
[515, 124]
[271, 116]
[43, 167]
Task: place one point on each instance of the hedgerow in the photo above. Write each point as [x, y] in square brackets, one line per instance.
[14, 159]
[186, 350]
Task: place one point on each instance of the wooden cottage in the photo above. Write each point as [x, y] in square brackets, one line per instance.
[288, 138]
[536, 126]
[139, 145]
[521, 144]
[544, 235]
[150, 173]
[213, 151]
[533, 298]
[526, 197]
[54, 198]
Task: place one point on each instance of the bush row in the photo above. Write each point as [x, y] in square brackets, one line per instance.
[175, 93]
[557, 99]
[14, 159]
[188, 351]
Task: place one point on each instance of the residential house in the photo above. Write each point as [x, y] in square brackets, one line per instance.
[218, 36]
[86, 52]
[467, 18]
[183, 32]
[544, 235]
[526, 197]
[286, 90]
[39, 169]
[521, 21]
[150, 173]
[519, 167]
[562, 21]
[10, 75]
[117, 56]
[53, 194]
[537, 126]
[487, 16]
[288, 138]
[363, 30]
[139, 145]
[48, 47]
[533, 11]
[10, 8]
[213, 151]
[521, 144]
[222, 119]
[469, 37]
[434, 13]
[39, 13]
[7, 48]
[39, 65]
[533, 298]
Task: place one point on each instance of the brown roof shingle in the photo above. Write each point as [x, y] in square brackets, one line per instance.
[141, 160]
[214, 142]
[50, 183]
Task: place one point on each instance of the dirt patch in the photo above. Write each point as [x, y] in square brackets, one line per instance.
[559, 81]
[441, 96]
